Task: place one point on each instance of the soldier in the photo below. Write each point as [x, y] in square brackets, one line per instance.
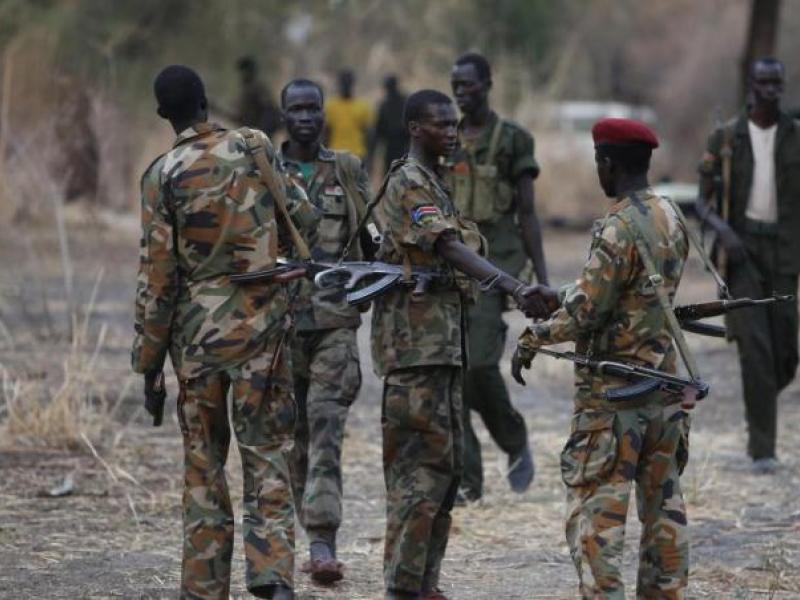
[614, 312]
[389, 128]
[753, 158]
[327, 375]
[492, 175]
[417, 348]
[348, 118]
[207, 213]
[255, 106]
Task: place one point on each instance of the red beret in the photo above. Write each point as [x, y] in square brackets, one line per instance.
[623, 131]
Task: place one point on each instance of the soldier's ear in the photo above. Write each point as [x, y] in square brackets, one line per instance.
[413, 128]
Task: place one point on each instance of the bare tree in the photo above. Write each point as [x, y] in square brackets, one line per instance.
[761, 36]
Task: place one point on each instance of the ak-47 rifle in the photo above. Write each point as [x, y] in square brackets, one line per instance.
[282, 266]
[378, 278]
[688, 316]
[645, 379]
[362, 281]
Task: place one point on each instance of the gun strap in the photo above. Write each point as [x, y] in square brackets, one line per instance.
[494, 141]
[657, 281]
[709, 265]
[356, 207]
[276, 189]
[370, 207]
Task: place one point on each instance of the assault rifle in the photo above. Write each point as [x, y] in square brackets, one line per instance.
[378, 278]
[644, 379]
[362, 281]
[689, 315]
[283, 266]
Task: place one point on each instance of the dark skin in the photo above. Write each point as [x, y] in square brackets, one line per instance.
[616, 182]
[435, 135]
[472, 96]
[766, 86]
[305, 121]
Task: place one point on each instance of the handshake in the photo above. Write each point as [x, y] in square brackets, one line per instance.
[536, 301]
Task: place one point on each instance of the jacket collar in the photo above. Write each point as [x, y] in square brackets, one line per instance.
[324, 154]
[196, 131]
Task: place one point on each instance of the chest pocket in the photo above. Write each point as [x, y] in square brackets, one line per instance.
[332, 203]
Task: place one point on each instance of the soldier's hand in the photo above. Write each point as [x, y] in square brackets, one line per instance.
[537, 301]
[522, 359]
[155, 395]
[733, 245]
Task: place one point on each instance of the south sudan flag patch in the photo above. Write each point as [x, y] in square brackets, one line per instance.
[422, 215]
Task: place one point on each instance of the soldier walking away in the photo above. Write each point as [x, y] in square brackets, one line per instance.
[348, 118]
[750, 196]
[255, 106]
[390, 132]
[325, 361]
[208, 212]
[617, 311]
[417, 348]
[492, 174]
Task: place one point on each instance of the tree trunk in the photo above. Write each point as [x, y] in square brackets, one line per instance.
[762, 36]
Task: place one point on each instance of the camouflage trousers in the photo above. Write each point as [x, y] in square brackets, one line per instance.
[422, 463]
[607, 451]
[263, 416]
[327, 377]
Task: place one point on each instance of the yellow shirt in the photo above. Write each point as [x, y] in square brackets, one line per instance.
[348, 120]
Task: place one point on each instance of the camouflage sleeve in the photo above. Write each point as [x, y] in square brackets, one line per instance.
[524, 159]
[156, 285]
[588, 302]
[416, 219]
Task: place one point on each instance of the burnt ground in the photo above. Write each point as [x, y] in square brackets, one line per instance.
[118, 534]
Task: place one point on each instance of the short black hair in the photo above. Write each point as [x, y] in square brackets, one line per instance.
[417, 103]
[300, 82]
[769, 61]
[179, 92]
[633, 158]
[479, 62]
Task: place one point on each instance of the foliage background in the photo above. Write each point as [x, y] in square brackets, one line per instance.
[679, 56]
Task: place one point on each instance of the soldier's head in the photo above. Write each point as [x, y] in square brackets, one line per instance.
[248, 69]
[766, 81]
[302, 101]
[431, 121]
[181, 96]
[346, 79]
[390, 85]
[623, 148]
[471, 80]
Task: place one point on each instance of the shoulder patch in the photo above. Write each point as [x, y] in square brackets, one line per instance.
[421, 215]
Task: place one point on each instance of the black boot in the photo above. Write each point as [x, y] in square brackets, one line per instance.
[273, 591]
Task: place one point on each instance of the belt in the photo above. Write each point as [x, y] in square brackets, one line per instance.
[760, 227]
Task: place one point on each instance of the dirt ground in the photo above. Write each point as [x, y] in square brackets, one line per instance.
[117, 535]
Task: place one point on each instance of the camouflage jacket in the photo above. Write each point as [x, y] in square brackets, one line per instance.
[206, 215]
[339, 211]
[787, 180]
[483, 173]
[413, 212]
[612, 311]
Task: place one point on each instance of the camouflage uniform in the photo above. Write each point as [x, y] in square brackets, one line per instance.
[206, 215]
[417, 348]
[613, 313]
[766, 336]
[483, 174]
[327, 375]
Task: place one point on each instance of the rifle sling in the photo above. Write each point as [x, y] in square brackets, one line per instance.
[657, 282]
[276, 190]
